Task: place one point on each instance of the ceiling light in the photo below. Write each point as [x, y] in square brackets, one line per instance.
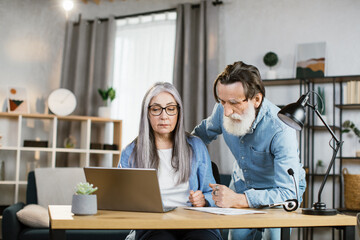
[68, 5]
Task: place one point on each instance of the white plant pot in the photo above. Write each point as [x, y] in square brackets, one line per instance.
[104, 112]
[84, 204]
[271, 74]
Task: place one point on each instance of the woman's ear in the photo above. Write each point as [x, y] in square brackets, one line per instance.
[257, 100]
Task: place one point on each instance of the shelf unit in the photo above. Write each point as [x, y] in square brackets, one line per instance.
[310, 129]
[307, 136]
[18, 127]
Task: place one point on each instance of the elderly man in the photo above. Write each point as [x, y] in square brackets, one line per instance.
[263, 146]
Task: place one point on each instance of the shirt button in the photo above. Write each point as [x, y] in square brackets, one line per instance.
[242, 141]
[242, 157]
[244, 170]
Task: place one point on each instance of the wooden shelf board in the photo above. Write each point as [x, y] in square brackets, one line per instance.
[7, 182]
[41, 149]
[348, 106]
[350, 158]
[8, 148]
[71, 150]
[322, 175]
[50, 116]
[278, 82]
[323, 128]
[294, 81]
[104, 151]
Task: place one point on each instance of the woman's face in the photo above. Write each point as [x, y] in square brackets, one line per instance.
[163, 114]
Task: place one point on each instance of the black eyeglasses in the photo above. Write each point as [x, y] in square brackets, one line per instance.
[170, 110]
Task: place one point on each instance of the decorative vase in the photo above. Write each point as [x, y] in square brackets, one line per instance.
[84, 204]
[104, 112]
[320, 169]
[271, 74]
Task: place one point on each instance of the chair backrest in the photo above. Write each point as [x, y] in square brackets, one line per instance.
[216, 173]
[55, 186]
[225, 179]
[31, 193]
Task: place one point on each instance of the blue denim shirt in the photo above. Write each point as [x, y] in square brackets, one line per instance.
[201, 170]
[264, 155]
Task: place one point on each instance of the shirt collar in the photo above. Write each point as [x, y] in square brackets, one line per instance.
[261, 114]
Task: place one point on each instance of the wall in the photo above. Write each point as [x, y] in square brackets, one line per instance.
[32, 38]
[32, 34]
[249, 29]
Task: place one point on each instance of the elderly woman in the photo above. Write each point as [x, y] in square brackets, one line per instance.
[182, 161]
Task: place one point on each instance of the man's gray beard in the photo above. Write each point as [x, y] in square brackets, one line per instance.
[242, 127]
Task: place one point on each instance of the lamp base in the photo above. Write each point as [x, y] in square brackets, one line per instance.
[312, 211]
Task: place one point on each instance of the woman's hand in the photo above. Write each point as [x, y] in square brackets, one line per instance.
[197, 198]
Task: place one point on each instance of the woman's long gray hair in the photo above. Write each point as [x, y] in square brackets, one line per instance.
[145, 153]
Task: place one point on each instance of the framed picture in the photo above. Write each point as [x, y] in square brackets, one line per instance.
[310, 60]
[17, 100]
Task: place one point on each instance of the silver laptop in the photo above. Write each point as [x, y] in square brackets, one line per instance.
[126, 189]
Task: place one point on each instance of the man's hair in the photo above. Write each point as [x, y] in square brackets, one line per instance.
[248, 75]
[145, 154]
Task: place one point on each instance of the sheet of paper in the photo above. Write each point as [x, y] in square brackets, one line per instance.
[224, 211]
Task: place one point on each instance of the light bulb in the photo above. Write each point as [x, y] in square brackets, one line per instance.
[68, 5]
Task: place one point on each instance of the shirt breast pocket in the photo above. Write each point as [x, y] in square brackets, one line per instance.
[261, 159]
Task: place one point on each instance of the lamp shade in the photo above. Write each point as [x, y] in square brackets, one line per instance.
[293, 115]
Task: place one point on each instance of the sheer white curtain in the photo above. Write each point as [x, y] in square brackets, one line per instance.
[144, 54]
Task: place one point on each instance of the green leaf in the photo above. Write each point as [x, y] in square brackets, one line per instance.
[85, 188]
[106, 94]
[111, 93]
[346, 124]
[103, 94]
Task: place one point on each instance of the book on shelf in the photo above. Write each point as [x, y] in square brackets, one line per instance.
[352, 92]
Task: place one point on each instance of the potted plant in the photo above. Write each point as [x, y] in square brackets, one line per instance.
[271, 59]
[84, 202]
[350, 126]
[107, 95]
[320, 167]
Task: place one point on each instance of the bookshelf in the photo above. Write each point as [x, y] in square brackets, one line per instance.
[15, 130]
[339, 86]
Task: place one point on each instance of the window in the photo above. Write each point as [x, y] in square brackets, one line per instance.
[144, 54]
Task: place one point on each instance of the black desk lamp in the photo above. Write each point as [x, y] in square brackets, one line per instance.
[294, 116]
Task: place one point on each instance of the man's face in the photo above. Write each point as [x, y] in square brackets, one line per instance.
[239, 112]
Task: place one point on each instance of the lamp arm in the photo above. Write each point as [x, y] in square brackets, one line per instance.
[335, 151]
[326, 125]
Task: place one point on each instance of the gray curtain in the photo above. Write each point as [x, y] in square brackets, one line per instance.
[196, 59]
[88, 62]
[87, 66]
[196, 64]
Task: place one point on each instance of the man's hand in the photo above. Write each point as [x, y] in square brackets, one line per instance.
[197, 198]
[227, 198]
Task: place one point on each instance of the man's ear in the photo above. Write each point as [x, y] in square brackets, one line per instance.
[257, 100]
